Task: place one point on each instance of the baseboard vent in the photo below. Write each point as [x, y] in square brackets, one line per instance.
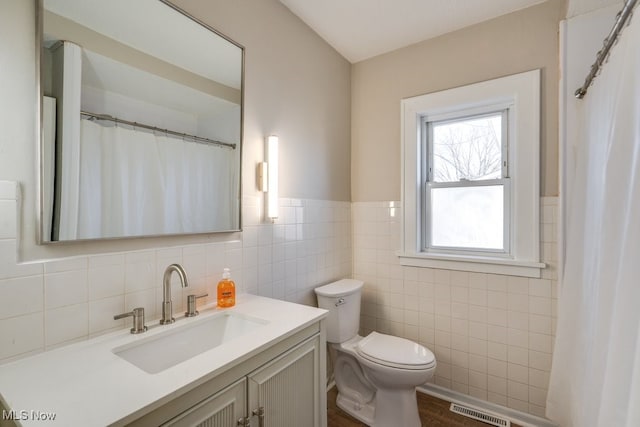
[480, 415]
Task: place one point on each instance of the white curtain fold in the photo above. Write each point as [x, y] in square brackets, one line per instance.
[135, 183]
[595, 377]
[69, 58]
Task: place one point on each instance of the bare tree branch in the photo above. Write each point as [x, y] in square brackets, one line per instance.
[468, 150]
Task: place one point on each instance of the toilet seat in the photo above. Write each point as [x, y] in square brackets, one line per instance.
[395, 352]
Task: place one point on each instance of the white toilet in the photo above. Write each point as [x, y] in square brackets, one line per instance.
[376, 375]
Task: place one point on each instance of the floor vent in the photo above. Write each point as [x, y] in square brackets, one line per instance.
[480, 415]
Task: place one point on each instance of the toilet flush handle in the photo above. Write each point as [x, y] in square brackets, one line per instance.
[340, 302]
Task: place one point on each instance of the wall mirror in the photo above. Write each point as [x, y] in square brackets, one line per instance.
[141, 113]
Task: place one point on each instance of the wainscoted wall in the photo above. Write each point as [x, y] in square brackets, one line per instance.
[492, 335]
[53, 303]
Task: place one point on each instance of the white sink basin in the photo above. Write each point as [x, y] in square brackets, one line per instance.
[164, 350]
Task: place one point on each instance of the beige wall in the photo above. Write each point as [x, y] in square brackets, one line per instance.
[510, 44]
[296, 86]
[491, 334]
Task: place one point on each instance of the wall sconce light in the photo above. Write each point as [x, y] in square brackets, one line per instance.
[268, 177]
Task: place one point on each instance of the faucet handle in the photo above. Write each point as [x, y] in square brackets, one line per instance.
[191, 305]
[138, 319]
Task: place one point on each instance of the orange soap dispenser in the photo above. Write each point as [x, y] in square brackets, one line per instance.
[226, 290]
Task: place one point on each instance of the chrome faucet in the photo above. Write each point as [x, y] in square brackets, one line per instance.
[167, 308]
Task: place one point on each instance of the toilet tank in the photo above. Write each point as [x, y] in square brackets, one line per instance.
[342, 299]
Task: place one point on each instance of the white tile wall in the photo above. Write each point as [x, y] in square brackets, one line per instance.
[309, 244]
[48, 304]
[492, 335]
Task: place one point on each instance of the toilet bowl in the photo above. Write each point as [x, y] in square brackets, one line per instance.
[356, 394]
[376, 375]
[395, 366]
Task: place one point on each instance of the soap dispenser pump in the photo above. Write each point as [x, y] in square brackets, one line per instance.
[226, 290]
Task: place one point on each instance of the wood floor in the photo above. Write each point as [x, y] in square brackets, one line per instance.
[433, 413]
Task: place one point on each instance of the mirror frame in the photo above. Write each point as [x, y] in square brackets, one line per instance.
[39, 23]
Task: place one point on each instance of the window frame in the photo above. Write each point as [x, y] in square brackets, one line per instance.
[519, 94]
[428, 182]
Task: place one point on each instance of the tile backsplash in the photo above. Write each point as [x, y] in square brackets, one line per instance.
[492, 335]
[47, 304]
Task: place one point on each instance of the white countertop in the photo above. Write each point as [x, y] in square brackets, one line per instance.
[86, 384]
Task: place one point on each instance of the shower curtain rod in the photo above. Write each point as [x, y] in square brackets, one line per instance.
[154, 128]
[621, 19]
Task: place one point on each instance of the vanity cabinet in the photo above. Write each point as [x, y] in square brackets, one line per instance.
[277, 369]
[285, 392]
[224, 408]
[281, 387]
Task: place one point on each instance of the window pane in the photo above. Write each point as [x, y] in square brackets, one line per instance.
[468, 149]
[468, 217]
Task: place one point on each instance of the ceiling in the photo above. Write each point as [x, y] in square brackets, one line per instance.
[361, 29]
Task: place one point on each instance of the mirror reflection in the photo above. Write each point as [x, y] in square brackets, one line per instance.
[142, 122]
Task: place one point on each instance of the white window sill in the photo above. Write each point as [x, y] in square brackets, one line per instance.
[477, 264]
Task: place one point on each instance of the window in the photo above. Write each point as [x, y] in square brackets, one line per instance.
[466, 188]
[471, 177]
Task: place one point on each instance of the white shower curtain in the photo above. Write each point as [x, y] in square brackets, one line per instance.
[132, 183]
[595, 378]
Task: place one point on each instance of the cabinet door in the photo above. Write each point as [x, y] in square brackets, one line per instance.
[286, 391]
[223, 409]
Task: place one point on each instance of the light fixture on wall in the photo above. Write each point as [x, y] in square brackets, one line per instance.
[268, 177]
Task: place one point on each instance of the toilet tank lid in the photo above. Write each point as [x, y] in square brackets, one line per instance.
[340, 288]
